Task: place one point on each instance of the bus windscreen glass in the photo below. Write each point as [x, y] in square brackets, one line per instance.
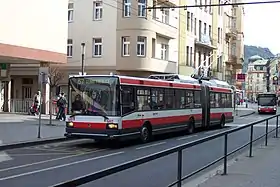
[267, 100]
[94, 96]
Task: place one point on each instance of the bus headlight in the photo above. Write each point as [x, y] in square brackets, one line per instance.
[70, 124]
[112, 126]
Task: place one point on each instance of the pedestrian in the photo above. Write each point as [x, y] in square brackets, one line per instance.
[61, 107]
[37, 102]
[57, 105]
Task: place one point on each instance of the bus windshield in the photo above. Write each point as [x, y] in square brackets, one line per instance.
[267, 100]
[94, 96]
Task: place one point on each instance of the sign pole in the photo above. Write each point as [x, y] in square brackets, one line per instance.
[40, 106]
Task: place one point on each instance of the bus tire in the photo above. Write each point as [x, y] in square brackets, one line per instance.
[146, 133]
[222, 122]
[191, 126]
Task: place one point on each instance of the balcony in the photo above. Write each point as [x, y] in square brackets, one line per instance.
[231, 32]
[147, 64]
[204, 41]
[238, 64]
[232, 60]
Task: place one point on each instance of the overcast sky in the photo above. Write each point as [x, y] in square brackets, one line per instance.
[262, 25]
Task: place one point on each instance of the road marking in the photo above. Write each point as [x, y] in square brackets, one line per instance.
[50, 160]
[257, 125]
[3, 155]
[186, 137]
[59, 166]
[39, 154]
[151, 145]
[49, 150]
[212, 131]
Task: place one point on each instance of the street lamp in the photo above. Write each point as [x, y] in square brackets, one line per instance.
[83, 52]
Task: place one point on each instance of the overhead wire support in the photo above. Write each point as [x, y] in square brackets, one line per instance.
[213, 5]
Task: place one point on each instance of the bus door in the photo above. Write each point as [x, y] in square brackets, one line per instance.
[205, 101]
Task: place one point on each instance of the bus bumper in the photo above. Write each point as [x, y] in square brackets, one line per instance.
[97, 134]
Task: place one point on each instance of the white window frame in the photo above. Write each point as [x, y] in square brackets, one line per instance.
[69, 48]
[165, 16]
[97, 10]
[126, 8]
[97, 42]
[142, 8]
[125, 46]
[70, 11]
[141, 44]
[164, 52]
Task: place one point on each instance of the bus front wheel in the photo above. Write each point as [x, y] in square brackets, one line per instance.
[146, 133]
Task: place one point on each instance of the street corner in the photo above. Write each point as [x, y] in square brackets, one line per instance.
[244, 112]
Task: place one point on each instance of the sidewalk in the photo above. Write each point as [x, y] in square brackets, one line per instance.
[262, 170]
[18, 127]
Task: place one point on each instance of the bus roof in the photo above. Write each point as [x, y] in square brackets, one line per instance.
[183, 81]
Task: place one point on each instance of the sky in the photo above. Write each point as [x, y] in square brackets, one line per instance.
[262, 25]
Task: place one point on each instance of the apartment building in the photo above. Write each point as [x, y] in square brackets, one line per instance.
[256, 77]
[123, 37]
[30, 40]
[274, 65]
[211, 36]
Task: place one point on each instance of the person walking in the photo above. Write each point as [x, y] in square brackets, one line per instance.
[61, 107]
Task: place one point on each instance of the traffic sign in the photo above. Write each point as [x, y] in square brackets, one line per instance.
[241, 77]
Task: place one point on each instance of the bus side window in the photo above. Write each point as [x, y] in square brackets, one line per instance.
[128, 101]
[143, 99]
[189, 99]
[197, 100]
[169, 98]
[180, 99]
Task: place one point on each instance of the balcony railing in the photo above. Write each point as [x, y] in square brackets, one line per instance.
[204, 40]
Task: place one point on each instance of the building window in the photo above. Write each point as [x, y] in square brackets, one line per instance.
[200, 3]
[210, 31]
[219, 30]
[191, 22]
[187, 56]
[195, 26]
[97, 47]
[165, 16]
[141, 46]
[205, 29]
[188, 20]
[191, 56]
[126, 8]
[97, 10]
[220, 8]
[125, 46]
[205, 8]
[69, 48]
[141, 8]
[164, 52]
[70, 11]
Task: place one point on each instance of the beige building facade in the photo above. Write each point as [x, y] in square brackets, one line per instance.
[28, 42]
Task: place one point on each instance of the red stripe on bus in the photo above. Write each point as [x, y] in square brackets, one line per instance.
[86, 125]
[136, 123]
[158, 83]
[220, 90]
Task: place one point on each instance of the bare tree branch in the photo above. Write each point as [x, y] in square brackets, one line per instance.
[55, 76]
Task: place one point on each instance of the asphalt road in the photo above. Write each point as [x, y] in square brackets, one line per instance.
[47, 165]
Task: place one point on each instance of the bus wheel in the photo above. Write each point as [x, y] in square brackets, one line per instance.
[145, 133]
[191, 126]
[222, 122]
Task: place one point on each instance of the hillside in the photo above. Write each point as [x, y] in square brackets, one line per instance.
[250, 50]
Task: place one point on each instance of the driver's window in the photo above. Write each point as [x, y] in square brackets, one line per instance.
[128, 99]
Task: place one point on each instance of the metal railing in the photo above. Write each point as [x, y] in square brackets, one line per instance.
[179, 149]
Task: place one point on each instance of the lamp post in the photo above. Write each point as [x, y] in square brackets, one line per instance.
[83, 51]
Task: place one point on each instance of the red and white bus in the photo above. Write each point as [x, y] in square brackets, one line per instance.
[267, 103]
[116, 107]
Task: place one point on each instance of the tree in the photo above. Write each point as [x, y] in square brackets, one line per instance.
[55, 76]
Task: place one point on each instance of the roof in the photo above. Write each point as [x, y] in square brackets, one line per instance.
[262, 62]
[255, 57]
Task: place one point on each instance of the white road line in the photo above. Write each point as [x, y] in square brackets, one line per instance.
[186, 137]
[212, 132]
[151, 145]
[3, 155]
[59, 166]
[50, 160]
[39, 154]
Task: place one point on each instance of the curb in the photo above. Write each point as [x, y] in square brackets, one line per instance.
[244, 115]
[15, 145]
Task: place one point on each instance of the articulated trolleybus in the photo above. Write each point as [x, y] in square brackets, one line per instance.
[116, 107]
